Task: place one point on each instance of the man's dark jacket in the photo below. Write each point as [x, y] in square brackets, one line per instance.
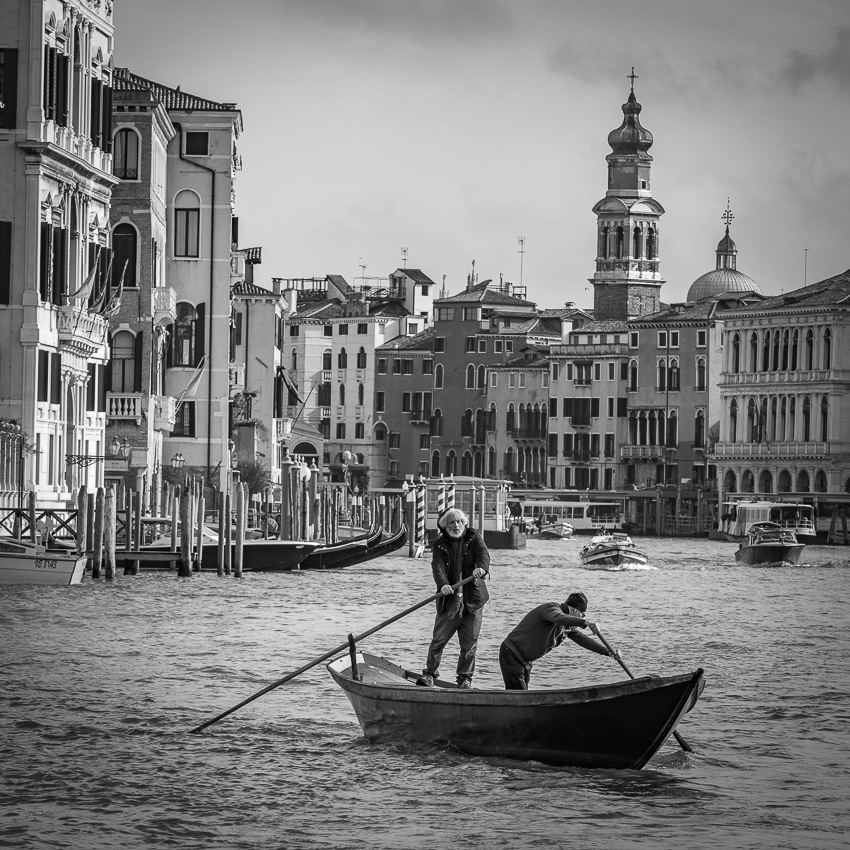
[474, 553]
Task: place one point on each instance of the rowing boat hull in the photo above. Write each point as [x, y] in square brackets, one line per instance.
[612, 556]
[618, 725]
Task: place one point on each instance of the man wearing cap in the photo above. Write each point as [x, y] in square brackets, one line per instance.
[541, 630]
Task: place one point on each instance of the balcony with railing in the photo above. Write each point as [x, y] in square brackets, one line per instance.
[808, 450]
[80, 330]
[124, 406]
[164, 305]
[164, 412]
[641, 452]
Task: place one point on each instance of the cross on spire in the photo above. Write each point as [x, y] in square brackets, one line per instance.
[633, 76]
[727, 216]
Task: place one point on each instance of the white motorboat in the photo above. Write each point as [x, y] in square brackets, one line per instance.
[611, 549]
[22, 562]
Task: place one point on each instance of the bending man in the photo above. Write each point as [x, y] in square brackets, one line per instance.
[541, 630]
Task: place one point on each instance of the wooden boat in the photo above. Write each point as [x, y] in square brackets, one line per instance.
[343, 553]
[258, 554]
[611, 549]
[22, 562]
[769, 543]
[555, 531]
[618, 725]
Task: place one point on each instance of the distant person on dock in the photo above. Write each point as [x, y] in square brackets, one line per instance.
[541, 630]
[457, 553]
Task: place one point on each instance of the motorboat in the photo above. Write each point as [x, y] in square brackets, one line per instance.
[23, 562]
[611, 549]
[769, 543]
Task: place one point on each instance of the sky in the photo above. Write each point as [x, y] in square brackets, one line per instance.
[453, 128]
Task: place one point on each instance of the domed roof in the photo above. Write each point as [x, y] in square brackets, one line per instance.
[725, 277]
[719, 281]
[630, 136]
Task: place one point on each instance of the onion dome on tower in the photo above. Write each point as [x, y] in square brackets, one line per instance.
[725, 277]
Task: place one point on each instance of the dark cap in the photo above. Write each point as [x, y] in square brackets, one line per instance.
[577, 600]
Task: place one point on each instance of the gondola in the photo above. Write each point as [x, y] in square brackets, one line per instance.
[617, 725]
[355, 550]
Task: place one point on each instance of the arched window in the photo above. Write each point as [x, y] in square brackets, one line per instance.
[733, 421]
[491, 417]
[491, 462]
[361, 358]
[342, 359]
[294, 362]
[466, 464]
[777, 338]
[327, 360]
[786, 342]
[438, 377]
[633, 376]
[802, 481]
[602, 249]
[661, 381]
[361, 394]
[470, 377]
[795, 340]
[435, 464]
[510, 418]
[187, 224]
[827, 349]
[480, 435]
[810, 350]
[792, 420]
[701, 373]
[621, 243]
[672, 430]
[466, 423]
[125, 157]
[451, 463]
[342, 395]
[482, 378]
[437, 423]
[754, 351]
[123, 363]
[736, 353]
[807, 419]
[509, 462]
[824, 419]
[752, 422]
[783, 483]
[699, 430]
[124, 254]
[674, 374]
[651, 244]
[636, 242]
[765, 355]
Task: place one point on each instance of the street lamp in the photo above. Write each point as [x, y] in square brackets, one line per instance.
[115, 446]
[178, 460]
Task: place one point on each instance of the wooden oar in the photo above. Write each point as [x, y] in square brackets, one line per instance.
[682, 742]
[329, 654]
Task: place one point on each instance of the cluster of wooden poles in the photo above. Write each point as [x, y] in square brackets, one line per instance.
[114, 534]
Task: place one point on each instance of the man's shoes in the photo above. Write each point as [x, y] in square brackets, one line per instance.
[465, 684]
[427, 680]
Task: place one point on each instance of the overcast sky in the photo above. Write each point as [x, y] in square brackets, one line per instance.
[453, 127]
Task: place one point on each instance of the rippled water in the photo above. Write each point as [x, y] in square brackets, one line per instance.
[101, 684]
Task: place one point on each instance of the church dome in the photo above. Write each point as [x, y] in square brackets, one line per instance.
[725, 277]
[630, 136]
[719, 281]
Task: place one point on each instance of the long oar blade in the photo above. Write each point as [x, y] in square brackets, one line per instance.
[329, 654]
[682, 742]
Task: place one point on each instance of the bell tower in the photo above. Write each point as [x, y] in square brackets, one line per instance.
[627, 282]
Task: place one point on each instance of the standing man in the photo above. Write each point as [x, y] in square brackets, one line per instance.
[458, 553]
[541, 630]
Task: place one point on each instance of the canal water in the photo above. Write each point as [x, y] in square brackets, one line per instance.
[101, 683]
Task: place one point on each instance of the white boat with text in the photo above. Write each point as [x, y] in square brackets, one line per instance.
[611, 549]
[22, 562]
[581, 515]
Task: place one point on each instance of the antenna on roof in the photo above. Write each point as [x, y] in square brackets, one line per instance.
[521, 242]
[404, 258]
